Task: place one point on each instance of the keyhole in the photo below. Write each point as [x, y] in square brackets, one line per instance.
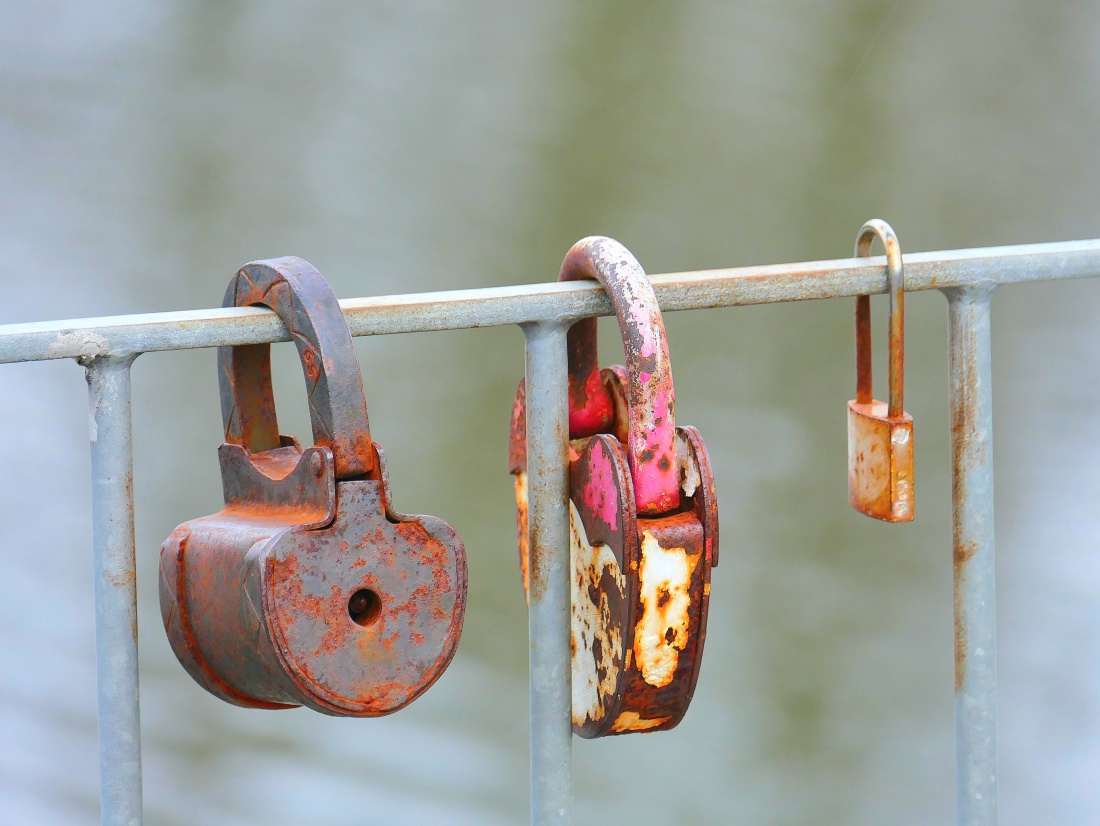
[364, 607]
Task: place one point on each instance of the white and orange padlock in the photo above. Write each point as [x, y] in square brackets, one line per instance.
[880, 434]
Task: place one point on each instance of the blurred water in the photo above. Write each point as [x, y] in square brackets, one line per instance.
[149, 150]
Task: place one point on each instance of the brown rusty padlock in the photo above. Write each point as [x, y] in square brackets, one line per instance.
[880, 436]
[308, 588]
[643, 514]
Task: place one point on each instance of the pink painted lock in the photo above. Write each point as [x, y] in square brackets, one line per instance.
[643, 513]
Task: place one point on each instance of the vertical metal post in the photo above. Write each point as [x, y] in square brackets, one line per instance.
[115, 589]
[548, 525]
[975, 580]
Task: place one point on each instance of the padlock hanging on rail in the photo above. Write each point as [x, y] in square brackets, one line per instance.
[308, 588]
[643, 514]
[880, 435]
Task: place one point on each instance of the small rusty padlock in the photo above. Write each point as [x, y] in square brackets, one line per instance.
[880, 435]
[643, 514]
[308, 588]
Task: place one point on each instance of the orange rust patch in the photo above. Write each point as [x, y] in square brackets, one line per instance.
[336, 634]
[964, 552]
[126, 580]
[521, 531]
[632, 721]
[880, 462]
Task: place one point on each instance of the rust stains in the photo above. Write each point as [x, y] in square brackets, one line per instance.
[126, 580]
[963, 553]
[651, 422]
[960, 652]
[880, 462]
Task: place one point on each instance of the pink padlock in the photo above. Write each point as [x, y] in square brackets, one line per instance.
[643, 513]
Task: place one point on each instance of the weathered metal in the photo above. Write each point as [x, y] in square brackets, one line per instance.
[552, 303]
[975, 576]
[880, 435]
[547, 423]
[308, 588]
[115, 569]
[643, 515]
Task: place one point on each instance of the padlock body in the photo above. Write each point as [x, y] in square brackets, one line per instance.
[640, 591]
[354, 617]
[640, 587]
[880, 461]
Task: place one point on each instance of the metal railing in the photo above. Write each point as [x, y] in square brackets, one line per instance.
[108, 346]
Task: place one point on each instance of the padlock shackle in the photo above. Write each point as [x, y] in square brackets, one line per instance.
[651, 420]
[895, 277]
[337, 407]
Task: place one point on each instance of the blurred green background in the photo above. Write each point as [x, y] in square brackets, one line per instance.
[148, 150]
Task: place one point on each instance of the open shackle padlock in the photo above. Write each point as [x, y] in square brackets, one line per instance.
[643, 514]
[880, 435]
[308, 588]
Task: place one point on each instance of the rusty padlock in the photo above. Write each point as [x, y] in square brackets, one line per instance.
[643, 514]
[880, 435]
[308, 588]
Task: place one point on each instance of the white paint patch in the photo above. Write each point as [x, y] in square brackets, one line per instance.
[689, 471]
[591, 621]
[78, 345]
[662, 631]
[93, 428]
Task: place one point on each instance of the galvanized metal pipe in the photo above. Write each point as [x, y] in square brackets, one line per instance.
[548, 530]
[115, 589]
[553, 302]
[971, 400]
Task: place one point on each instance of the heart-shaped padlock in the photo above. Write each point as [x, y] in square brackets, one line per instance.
[308, 588]
[643, 514]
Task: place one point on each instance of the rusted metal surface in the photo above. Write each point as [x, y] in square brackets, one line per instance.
[880, 435]
[308, 588]
[640, 580]
[334, 387]
[974, 558]
[650, 421]
[880, 462]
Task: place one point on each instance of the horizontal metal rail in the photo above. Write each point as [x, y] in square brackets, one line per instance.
[107, 347]
[553, 302]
